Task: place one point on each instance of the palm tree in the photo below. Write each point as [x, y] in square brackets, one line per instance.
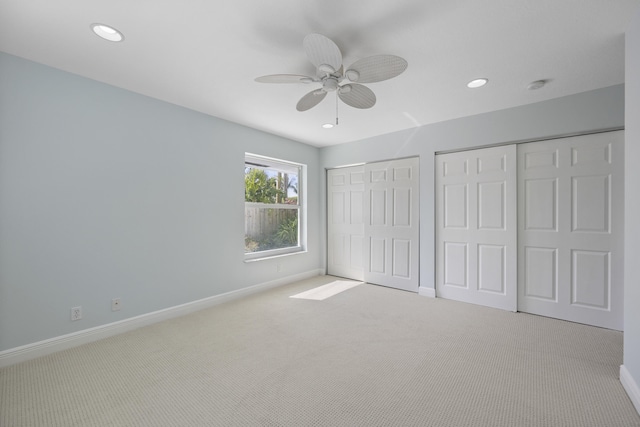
[284, 184]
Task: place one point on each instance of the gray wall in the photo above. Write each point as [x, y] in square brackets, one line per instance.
[105, 193]
[632, 204]
[600, 109]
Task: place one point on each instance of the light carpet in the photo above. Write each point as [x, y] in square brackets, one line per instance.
[368, 356]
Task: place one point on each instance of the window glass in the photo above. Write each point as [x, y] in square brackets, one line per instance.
[272, 206]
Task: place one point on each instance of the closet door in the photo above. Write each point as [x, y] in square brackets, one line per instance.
[476, 253]
[372, 223]
[345, 222]
[391, 213]
[570, 229]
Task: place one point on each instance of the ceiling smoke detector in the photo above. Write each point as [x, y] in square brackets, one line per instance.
[536, 85]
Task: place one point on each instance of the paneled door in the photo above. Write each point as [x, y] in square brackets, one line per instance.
[476, 231]
[391, 218]
[570, 229]
[345, 222]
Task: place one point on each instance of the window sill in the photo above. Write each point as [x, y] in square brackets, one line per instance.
[267, 256]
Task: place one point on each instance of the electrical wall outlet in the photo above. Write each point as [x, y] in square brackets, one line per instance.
[76, 313]
[115, 304]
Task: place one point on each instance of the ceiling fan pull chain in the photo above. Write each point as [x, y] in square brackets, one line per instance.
[336, 108]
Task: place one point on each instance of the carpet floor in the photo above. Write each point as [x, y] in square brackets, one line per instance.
[367, 356]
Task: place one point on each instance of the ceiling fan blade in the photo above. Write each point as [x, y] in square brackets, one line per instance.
[286, 78]
[357, 96]
[376, 68]
[311, 99]
[322, 51]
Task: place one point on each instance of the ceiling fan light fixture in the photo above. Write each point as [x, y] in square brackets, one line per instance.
[352, 75]
[327, 126]
[107, 32]
[330, 85]
[473, 84]
[326, 68]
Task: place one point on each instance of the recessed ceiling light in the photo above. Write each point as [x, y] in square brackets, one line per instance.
[107, 32]
[477, 83]
[327, 125]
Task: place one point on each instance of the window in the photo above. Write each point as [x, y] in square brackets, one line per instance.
[273, 216]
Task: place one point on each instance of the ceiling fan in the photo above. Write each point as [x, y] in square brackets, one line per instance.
[325, 55]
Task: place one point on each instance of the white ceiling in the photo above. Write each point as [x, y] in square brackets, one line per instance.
[204, 55]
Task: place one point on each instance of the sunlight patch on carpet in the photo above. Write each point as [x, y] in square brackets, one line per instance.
[325, 291]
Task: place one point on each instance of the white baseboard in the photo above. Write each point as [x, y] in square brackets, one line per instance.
[630, 386]
[63, 342]
[427, 292]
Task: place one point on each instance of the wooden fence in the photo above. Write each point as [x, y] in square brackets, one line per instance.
[260, 223]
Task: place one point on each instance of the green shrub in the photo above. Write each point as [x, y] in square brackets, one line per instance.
[288, 232]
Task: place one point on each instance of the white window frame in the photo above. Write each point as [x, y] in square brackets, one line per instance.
[263, 162]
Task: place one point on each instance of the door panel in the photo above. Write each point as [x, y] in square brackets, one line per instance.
[476, 229]
[455, 206]
[540, 273]
[377, 252]
[455, 264]
[590, 285]
[570, 232]
[391, 217]
[492, 265]
[356, 206]
[492, 205]
[590, 207]
[540, 209]
[345, 228]
[402, 207]
[402, 258]
[378, 200]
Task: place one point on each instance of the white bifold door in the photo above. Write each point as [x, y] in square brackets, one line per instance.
[476, 251]
[570, 229]
[345, 222]
[542, 222]
[373, 217]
